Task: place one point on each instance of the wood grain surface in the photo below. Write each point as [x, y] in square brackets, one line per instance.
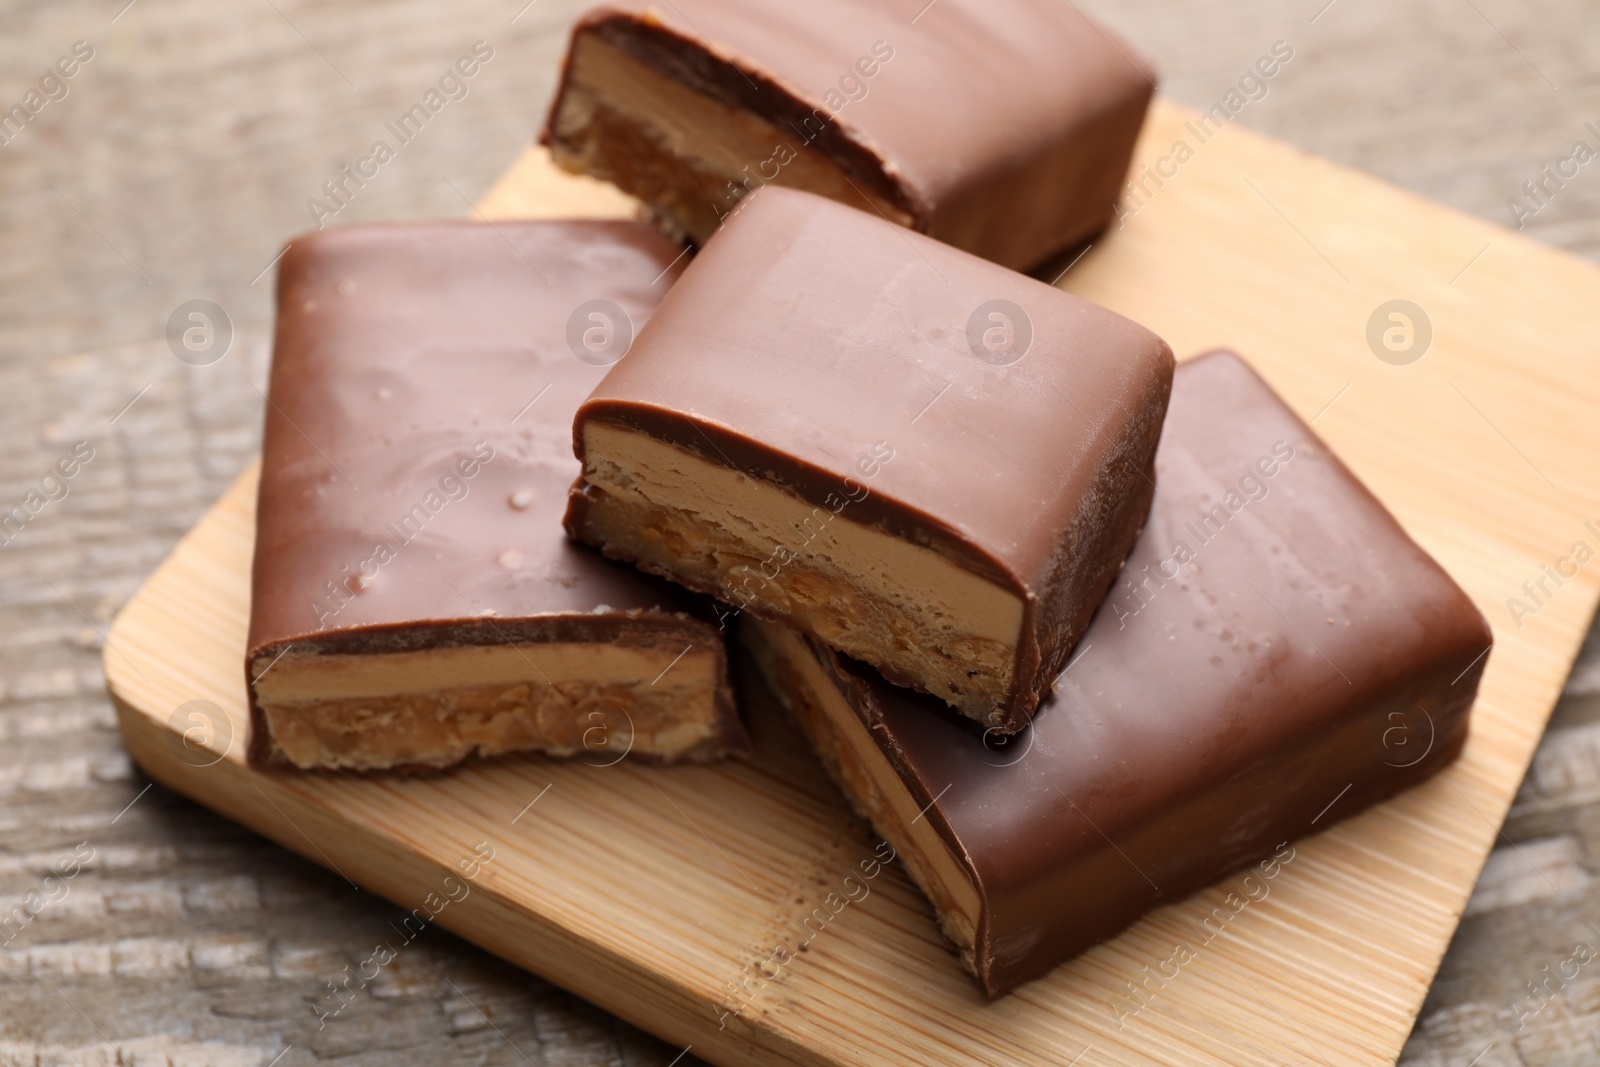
[181, 159]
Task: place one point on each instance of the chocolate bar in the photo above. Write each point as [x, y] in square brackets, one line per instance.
[1277, 656]
[1003, 127]
[414, 601]
[927, 461]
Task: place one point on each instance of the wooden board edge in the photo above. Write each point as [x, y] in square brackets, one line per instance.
[531, 941]
[1164, 109]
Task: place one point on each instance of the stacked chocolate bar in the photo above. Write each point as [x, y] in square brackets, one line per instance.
[1078, 632]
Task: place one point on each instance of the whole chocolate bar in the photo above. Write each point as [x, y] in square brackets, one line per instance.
[930, 462]
[1003, 127]
[1277, 656]
[414, 601]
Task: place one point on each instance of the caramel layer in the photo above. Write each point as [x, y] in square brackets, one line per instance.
[899, 605]
[439, 706]
[688, 156]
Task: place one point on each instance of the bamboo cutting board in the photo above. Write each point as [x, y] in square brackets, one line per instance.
[658, 893]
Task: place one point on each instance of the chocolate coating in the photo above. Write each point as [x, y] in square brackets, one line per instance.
[403, 351]
[807, 335]
[1003, 127]
[1307, 661]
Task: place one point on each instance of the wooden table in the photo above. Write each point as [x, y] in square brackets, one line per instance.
[182, 157]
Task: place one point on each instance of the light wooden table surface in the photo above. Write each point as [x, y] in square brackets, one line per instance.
[179, 161]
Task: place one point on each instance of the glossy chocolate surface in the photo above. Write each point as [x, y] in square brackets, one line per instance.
[1004, 127]
[808, 337]
[406, 354]
[1306, 661]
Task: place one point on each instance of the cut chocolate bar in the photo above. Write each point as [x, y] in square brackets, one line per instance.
[1278, 656]
[414, 601]
[930, 462]
[1003, 127]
